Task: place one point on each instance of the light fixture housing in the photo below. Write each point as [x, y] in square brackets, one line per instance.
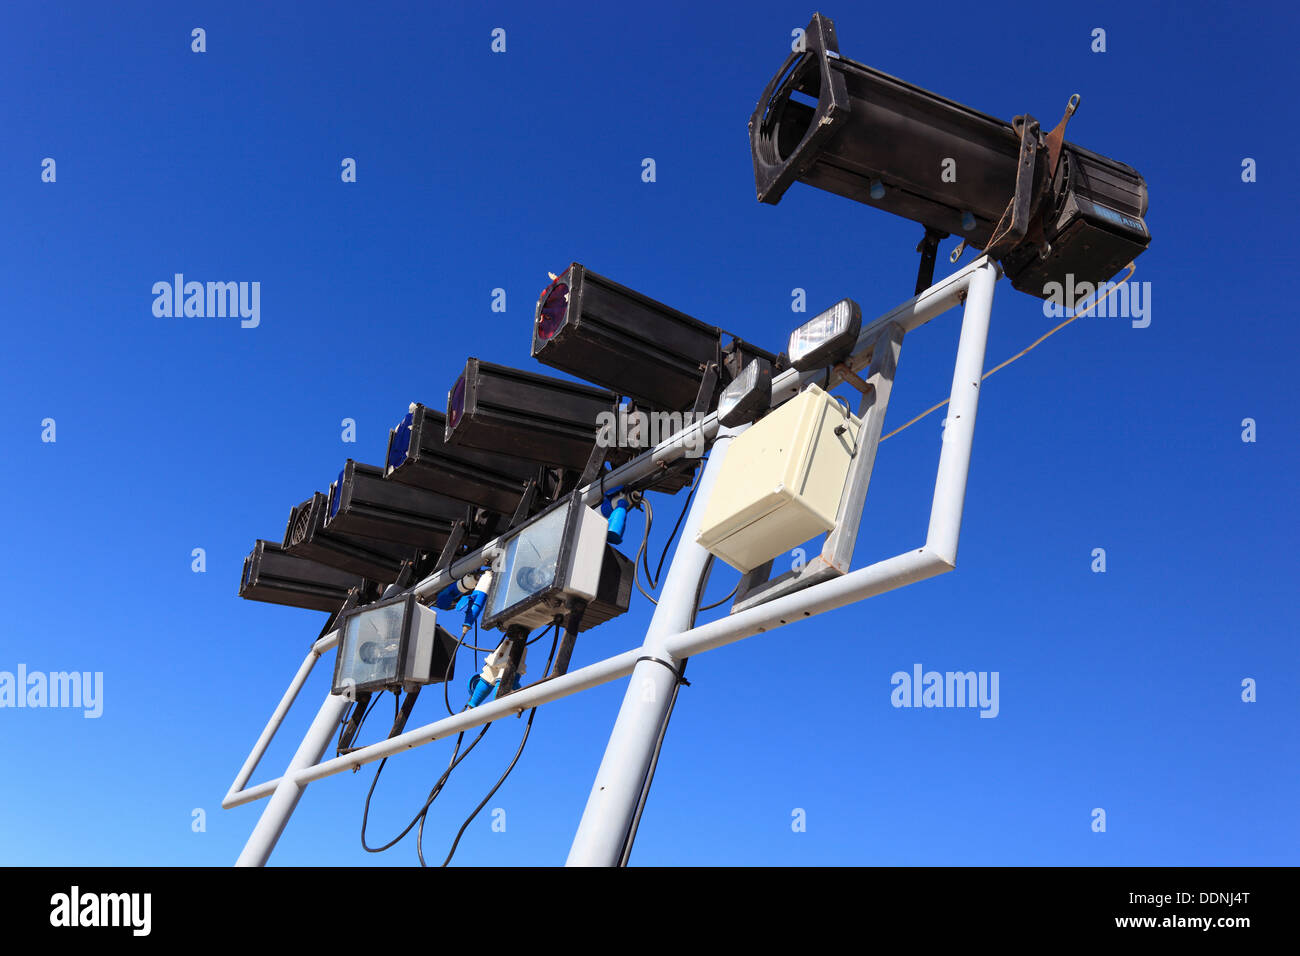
[395, 644]
[362, 503]
[603, 332]
[546, 420]
[546, 564]
[306, 536]
[826, 338]
[747, 396]
[272, 575]
[881, 141]
[419, 456]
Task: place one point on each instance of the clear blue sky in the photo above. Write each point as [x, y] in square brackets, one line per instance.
[478, 171]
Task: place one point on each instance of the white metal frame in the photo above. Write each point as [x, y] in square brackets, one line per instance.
[669, 639]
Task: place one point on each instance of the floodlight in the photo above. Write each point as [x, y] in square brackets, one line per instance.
[1044, 207]
[826, 338]
[546, 420]
[362, 503]
[418, 455]
[307, 537]
[546, 564]
[606, 333]
[747, 396]
[390, 645]
[273, 576]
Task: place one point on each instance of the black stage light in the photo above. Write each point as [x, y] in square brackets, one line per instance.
[362, 503]
[547, 420]
[1044, 207]
[418, 455]
[273, 576]
[395, 644]
[598, 330]
[306, 537]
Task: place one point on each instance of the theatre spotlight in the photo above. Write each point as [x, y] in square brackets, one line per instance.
[598, 330]
[362, 503]
[273, 576]
[553, 563]
[1044, 207]
[418, 455]
[307, 537]
[547, 420]
[395, 644]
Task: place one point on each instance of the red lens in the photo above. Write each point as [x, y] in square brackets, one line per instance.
[550, 314]
[456, 403]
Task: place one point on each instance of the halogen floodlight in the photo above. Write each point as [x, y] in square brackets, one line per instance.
[826, 338]
[275, 577]
[598, 330]
[391, 645]
[546, 564]
[418, 455]
[546, 420]
[747, 396]
[362, 503]
[307, 537]
[1044, 207]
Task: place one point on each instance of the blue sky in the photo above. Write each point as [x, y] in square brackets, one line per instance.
[478, 170]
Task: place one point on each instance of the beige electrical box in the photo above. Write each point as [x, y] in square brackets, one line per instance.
[781, 481]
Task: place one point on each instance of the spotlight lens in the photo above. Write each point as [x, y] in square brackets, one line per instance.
[334, 494]
[456, 403]
[401, 442]
[826, 338]
[550, 314]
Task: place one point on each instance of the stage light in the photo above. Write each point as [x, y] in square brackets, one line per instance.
[503, 410]
[418, 455]
[1043, 207]
[306, 536]
[747, 396]
[546, 565]
[275, 577]
[826, 338]
[606, 333]
[396, 644]
[363, 504]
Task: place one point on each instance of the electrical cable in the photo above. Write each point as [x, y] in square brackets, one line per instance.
[518, 753]
[1132, 267]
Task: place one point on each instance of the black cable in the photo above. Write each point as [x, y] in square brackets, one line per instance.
[518, 753]
[433, 793]
[370, 705]
[654, 582]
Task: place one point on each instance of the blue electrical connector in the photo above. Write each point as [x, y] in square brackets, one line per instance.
[615, 509]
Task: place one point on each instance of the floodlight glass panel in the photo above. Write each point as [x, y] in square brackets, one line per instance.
[401, 441]
[826, 338]
[370, 650]
[531, 560]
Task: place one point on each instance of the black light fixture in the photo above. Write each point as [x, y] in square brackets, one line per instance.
[747, 396]
[306, 536]
[418, 455]
[362, 503]
[546, 420]
[826, 338]
[394, 644]
[603, 332]
[1044, 207]
[276, 577]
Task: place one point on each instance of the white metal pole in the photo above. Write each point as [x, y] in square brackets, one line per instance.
[289, 791]
[616, 792]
